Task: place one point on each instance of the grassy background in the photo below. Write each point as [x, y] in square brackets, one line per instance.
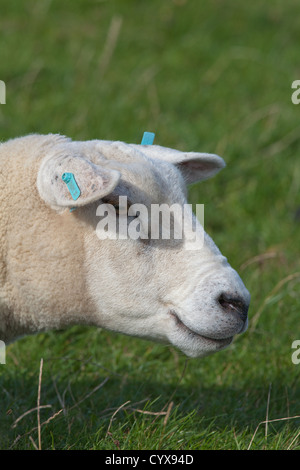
[213, 76]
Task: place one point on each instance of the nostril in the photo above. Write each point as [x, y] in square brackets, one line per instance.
[234, 304]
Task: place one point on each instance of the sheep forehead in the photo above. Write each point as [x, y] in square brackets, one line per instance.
[151, 182]
[144, 180]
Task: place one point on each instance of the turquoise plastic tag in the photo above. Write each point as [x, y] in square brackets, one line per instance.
[69, 179]
[148, 138]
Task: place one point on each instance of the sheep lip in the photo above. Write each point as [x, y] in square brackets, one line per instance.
[181, 325]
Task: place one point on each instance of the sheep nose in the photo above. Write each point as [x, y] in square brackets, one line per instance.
[231, 304]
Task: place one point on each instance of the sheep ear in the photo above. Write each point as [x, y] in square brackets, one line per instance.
[200, 166]
[91, 182]
[193, 166]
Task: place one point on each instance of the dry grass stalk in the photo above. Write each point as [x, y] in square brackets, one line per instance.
[278, 286]
[39, 405]
[270, 421]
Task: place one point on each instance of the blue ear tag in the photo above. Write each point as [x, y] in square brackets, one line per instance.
[69, 179]
[148, 138]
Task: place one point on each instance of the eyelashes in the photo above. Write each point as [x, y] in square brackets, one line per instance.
[121, 209]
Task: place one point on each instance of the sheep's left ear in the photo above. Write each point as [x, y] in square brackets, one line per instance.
[193, 166]
[73, 181]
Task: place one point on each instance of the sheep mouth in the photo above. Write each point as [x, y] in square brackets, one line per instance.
[220, 341]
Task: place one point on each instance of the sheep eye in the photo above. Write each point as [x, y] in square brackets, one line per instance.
[119, 209]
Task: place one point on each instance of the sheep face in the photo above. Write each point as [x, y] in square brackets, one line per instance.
[176, 289]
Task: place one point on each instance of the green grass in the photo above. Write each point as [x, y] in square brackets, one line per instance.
[212, 76]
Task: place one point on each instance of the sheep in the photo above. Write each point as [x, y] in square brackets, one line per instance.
[56, 271]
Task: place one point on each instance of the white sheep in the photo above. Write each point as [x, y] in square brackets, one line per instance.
[56, 271]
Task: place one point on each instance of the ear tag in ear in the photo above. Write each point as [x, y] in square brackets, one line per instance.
[69, 179]
[148, 138]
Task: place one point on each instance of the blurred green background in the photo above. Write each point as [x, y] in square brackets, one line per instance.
[212, 76]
